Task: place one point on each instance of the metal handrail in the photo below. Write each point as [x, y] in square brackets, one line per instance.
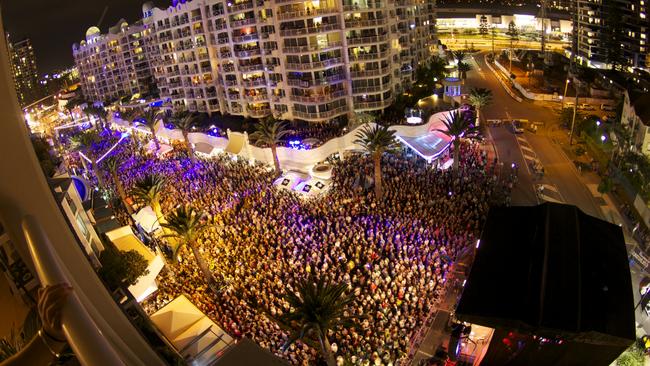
[83, 335]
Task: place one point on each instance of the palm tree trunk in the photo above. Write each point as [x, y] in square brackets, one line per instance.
[188, 146]
[326, 348]
[478, 115]
[378, 185]
[456, 153]
[203, 265]
[122, 193]
[276, 161]
[100, 179]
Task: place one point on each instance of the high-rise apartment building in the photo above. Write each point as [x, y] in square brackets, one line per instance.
[114, 64]
[24, 71]
[310, 60]
[611, 33]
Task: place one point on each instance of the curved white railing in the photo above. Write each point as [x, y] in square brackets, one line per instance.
[289, 157]
[49, 247]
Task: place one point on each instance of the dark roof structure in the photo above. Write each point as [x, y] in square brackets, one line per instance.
[247, 353]
[552, 271]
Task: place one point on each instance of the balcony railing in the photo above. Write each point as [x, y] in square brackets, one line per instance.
[373, 105]
[318, 98]
[314, 65]
[367, 73]
[249, 68]
[365, 40]
[312, 48]
[321, 115]
[257, 98]
[241, 23]
[245, 38]
[305, 13]
[368, 56]
[248, 53]
[367, 7]
[365, 23]
[309, 30]
[370, 89]
[259, 112]
[239, 7]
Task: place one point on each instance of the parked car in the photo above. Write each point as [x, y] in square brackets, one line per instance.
[517, 125]
[586, 106]
[608, 108]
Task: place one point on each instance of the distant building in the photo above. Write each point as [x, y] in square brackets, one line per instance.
[636, 115]
[24, 71]
[115, 64]
[611, 33]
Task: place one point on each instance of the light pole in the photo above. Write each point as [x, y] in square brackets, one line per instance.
[566, 86]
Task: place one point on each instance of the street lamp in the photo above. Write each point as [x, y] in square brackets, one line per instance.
[566, 86]
[603, 138]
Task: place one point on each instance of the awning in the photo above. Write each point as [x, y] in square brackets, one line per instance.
[147, 219]
[235, 143]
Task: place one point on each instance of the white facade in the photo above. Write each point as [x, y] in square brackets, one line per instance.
[524, 23]
[631, 118]
[114, 64]
[310, 60]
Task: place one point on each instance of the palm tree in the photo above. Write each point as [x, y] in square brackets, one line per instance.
[185, 225]
[149, 118]
[480, 98]
[463, 69]
[98, 112]
[85, 143]
[149, 190]
[318, 307]
[113, 166]
[270, 132]
[459, 56]
[69, 107]
[376, 141]
[185, 121]
[457, 125]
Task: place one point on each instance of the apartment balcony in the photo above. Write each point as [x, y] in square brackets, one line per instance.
[192, 108]
[164, 38]
[365, 23]
[212, 94]
[310, 30]
[174, 84]
[204, 56]
[233, 96]
[373, 105]
[318, 98]
[314, 65]
[250, 68]
[321, 115]
[226, 54]
[370, 89]
[257, 98]
[206, 68]
[259, 112]
[241, 23]
[312, 48]
[368, 7]
[304, 13]
[174, 73]
[202, 108]
[249, 53]
[241, 7]
[254, 82]
[245, 38]
[163, 27]
[366, 40]
[230, 82]
[185, 60]
[196, 18]
[236, 110]
[369, 73]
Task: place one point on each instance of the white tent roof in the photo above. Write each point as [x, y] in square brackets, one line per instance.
[191, 332]
[124, 240]
[146, 217]
[235, 143]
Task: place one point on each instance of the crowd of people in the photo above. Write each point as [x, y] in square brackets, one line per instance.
[261, 242]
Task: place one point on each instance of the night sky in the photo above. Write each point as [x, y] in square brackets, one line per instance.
[54, 26]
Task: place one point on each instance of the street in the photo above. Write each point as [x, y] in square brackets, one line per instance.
[546, 146]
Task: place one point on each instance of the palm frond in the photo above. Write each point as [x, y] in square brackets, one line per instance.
[269, 132]
[184, 224]
[376, 139]
[149, 189]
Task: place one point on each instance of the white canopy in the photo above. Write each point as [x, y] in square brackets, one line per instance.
[147, 219]
[124, 240]
[191, 332]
